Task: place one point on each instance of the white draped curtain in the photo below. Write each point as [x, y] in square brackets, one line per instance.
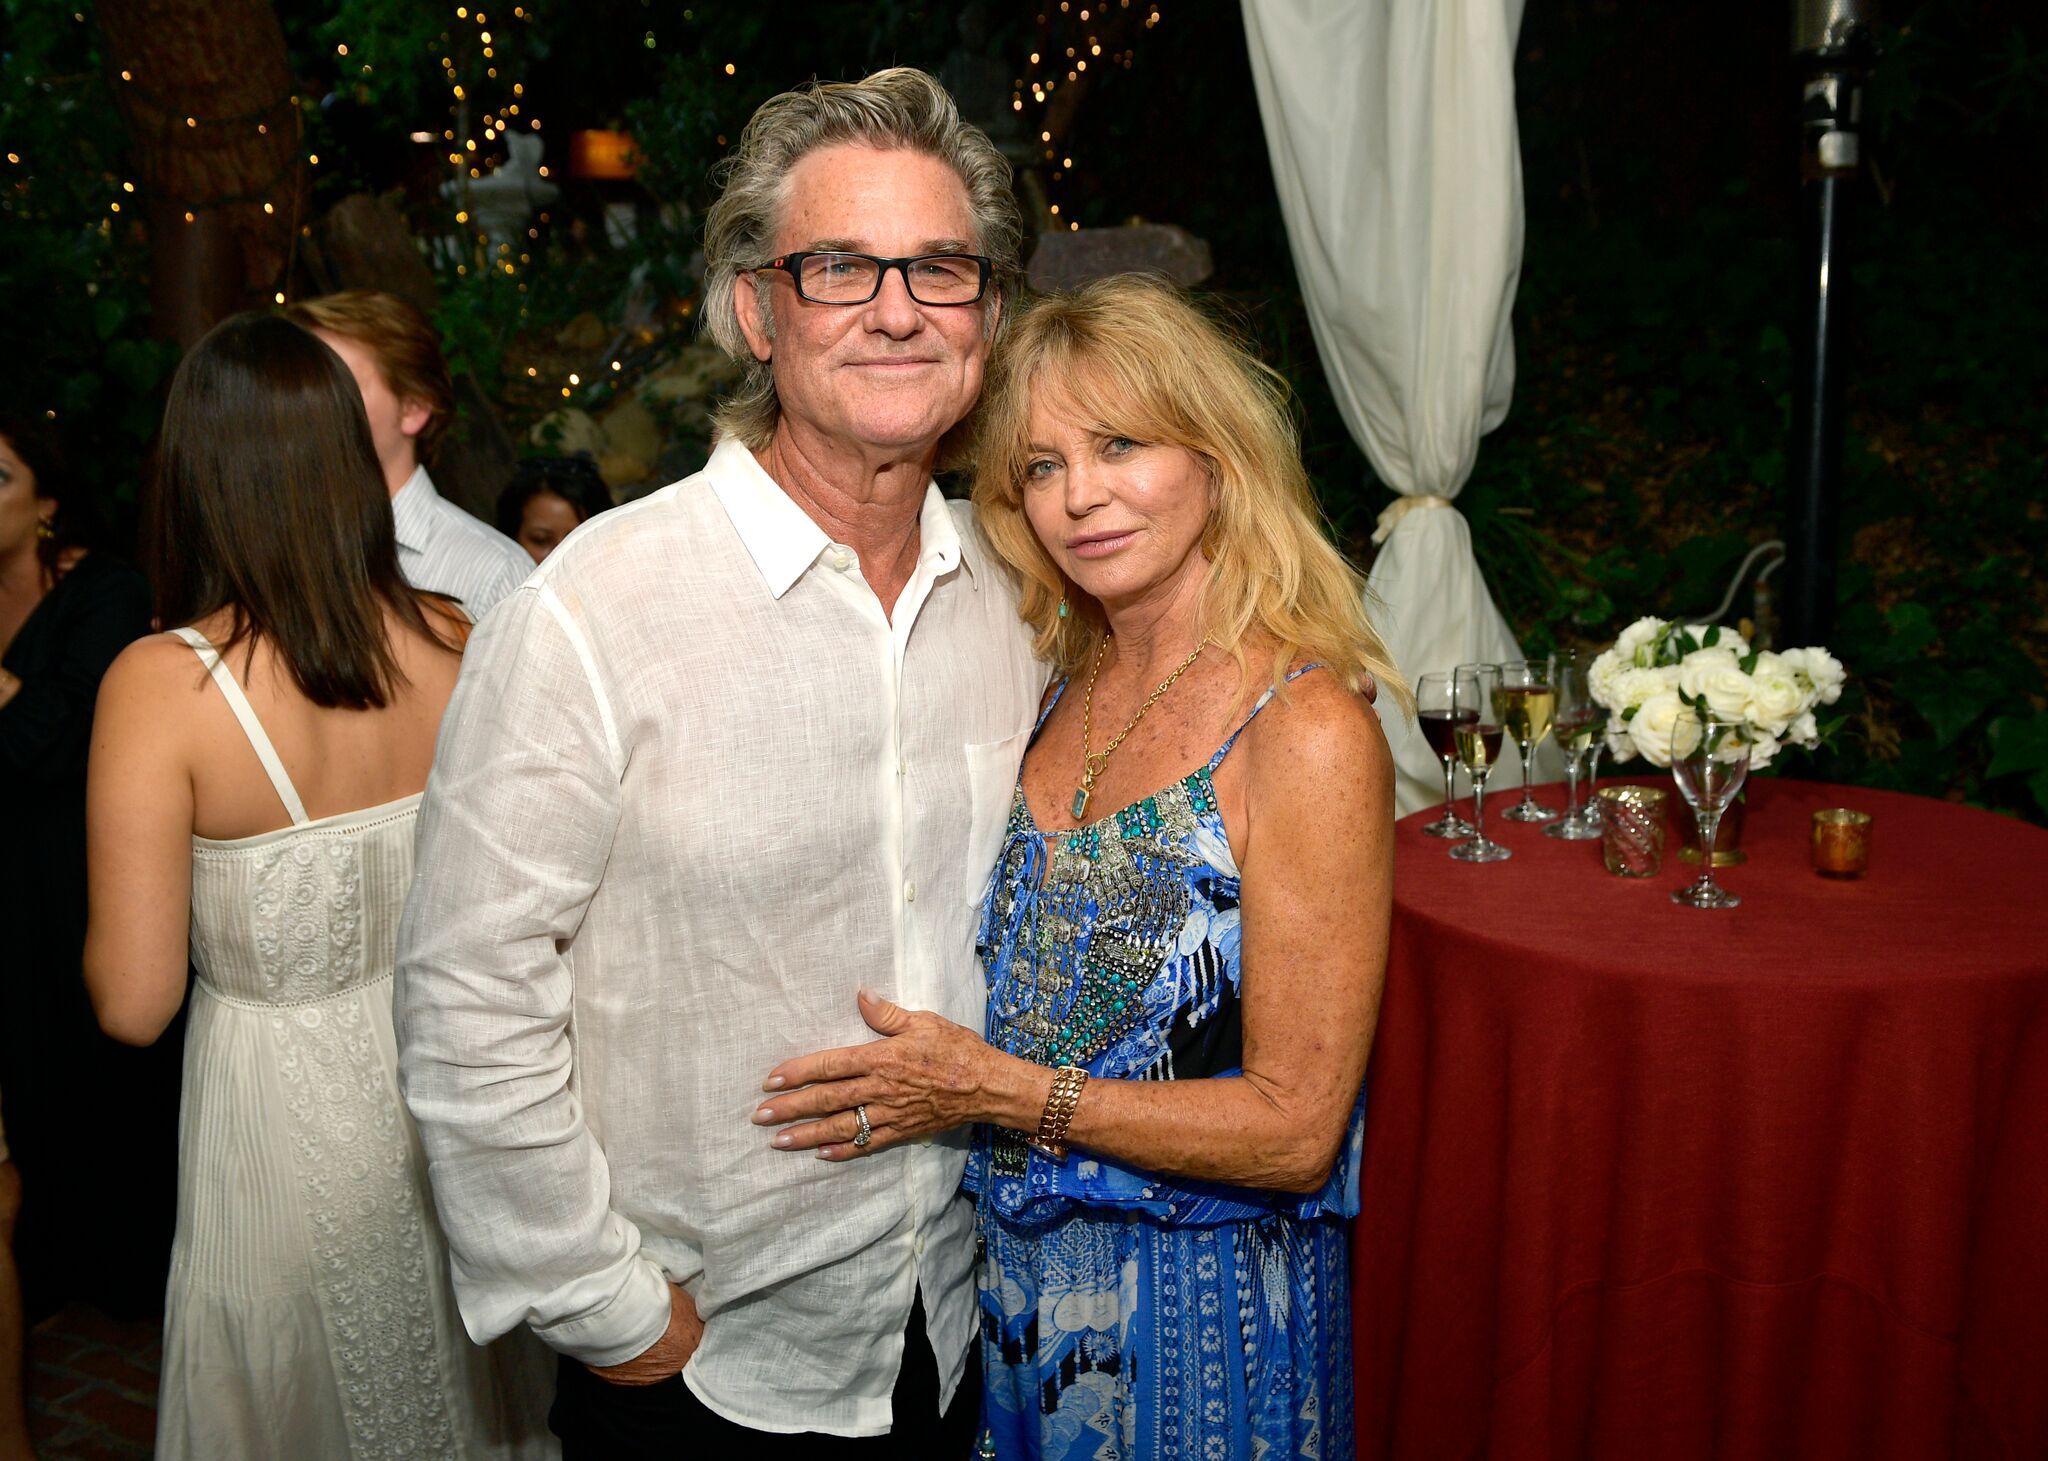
[1391, 125]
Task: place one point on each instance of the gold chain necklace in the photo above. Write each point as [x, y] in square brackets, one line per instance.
[1092, 762]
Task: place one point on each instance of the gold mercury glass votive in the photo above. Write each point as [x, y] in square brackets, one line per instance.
[1632, 830]
[1841, 842]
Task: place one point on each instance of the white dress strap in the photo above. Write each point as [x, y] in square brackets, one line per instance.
[259, 739]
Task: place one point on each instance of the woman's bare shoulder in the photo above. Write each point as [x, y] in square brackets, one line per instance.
[148, 689]
[1315, 729]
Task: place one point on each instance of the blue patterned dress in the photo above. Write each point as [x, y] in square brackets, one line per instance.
[1127, 1316]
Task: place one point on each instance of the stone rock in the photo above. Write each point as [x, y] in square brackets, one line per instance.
[632, 442]
[696, 372]
[567, 432]
[586, 332]
[620, 470]
[1065, 260]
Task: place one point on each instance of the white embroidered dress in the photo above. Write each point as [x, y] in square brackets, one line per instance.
[309, 1313]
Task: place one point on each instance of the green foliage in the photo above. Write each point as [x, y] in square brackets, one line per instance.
[74, 336]
[1645, 452]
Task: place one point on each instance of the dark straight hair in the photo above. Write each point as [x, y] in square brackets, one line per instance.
[269, 504]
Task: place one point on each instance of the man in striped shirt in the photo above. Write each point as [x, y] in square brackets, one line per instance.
[396, 359]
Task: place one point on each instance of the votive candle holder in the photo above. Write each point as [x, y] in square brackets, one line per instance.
[1841, 842]
[1632, 830]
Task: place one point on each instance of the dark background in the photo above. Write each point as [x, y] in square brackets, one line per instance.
[1645, 452]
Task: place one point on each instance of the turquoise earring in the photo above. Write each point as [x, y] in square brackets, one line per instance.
[1063, 606]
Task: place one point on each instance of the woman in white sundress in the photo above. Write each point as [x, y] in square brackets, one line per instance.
[254, 778]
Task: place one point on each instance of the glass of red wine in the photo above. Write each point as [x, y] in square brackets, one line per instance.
[1478, 743]
[1444, 700]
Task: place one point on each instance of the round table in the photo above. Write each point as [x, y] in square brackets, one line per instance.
[1646, 1181]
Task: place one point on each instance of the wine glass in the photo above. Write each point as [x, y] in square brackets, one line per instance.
[1445, 699]
[1528, 696]
[1710, 761]
[1478, 741]
[1580, 726]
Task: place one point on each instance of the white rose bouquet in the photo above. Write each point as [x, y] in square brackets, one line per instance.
[1662, 673]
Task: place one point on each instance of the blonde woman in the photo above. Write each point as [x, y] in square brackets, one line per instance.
[1186, 930]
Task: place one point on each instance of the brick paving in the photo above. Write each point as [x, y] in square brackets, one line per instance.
[92, 1386]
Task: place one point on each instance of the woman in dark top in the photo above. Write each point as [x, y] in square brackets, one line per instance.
[548, 498]
[66, 609]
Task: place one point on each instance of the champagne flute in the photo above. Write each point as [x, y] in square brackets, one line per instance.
[1579, 727]
[1528, 696]
[1709, 761]
[1478, 741]
[1445, 699]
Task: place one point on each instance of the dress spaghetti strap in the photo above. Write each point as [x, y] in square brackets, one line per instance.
[1046, 714]
[259, 739]
[1217, 759]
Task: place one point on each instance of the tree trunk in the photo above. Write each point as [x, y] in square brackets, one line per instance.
[205, 88]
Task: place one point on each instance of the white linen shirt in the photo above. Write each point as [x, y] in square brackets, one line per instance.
[693, 792]
[444, 550]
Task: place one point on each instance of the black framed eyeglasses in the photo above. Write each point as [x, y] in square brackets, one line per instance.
[836, 278]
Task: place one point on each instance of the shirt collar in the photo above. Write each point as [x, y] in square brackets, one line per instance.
[412, 510]
[782, 539]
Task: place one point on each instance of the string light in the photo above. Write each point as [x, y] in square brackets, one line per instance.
[1071, 65]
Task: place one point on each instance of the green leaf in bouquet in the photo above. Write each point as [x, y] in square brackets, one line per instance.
[1630, 713]
[1747, 664]
[1713, 637]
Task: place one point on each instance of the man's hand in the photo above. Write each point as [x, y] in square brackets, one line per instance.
[668, 1354]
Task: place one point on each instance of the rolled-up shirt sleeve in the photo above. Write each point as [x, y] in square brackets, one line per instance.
[514, 833]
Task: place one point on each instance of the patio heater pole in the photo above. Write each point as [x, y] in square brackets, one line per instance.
[1831, 41]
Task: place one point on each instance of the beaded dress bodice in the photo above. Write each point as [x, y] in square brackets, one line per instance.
[1116, 946]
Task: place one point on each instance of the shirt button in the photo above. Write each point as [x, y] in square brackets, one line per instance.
[841, 559]
[917, 1245]
[909, 891]
[902, 768]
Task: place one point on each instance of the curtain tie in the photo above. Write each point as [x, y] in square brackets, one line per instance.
[1399, 508]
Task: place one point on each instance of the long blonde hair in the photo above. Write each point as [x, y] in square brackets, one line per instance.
[1146, 363]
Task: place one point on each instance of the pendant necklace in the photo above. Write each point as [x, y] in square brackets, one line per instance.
[1092, 762]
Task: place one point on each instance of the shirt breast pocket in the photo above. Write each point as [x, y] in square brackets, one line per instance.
[991, 780]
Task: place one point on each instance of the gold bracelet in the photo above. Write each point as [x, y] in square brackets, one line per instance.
[1060, 1104]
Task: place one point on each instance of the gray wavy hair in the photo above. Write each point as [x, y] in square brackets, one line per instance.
[900, 107]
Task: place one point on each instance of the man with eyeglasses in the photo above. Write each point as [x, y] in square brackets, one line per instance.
[735, 753]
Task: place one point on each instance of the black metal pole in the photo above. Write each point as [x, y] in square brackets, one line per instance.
[1831, 40]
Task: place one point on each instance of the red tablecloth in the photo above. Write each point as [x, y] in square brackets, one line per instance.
[1649, 1183]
